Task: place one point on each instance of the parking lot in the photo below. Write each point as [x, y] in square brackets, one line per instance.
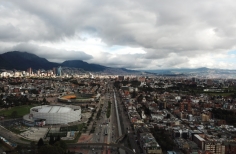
[34, 133]
[11, 122]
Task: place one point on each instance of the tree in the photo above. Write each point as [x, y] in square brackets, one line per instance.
[49, 149]
[134, 94]
[147, 110]
[58, 138]
[1, 102]
[44, 100]
[18, 148]
[33, 147]
[168, 116]
[70, 152]
[14, 114]
[40, 142]
[26, 100]
[140, 98]
[61, 144]
[51, 140]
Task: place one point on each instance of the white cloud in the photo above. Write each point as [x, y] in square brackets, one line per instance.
[133, 34]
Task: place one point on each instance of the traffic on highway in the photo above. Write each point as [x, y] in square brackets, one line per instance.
[115, 127]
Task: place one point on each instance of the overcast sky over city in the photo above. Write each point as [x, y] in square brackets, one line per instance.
[135, 34]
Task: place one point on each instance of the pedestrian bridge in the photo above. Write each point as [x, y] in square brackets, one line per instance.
[88, 145]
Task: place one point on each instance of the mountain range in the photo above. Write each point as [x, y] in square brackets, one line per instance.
[191, 71]
[196, 72]
[24, 60]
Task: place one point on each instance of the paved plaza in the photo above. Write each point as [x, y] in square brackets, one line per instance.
[85, 138]
[35, 133]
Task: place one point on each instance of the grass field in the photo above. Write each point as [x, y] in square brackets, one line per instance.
[224, 94]
[221, 94]
[20, 111]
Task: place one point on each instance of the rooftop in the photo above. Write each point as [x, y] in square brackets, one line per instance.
[51, 109]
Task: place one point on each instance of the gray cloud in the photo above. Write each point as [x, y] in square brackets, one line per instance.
[130, 61]
[54, 55]
[170, 32]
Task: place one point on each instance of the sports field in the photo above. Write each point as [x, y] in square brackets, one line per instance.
[16, 112]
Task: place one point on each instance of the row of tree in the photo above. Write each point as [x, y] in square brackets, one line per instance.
[55, 146]
[11, 101]
[163, 138]
[228, 116]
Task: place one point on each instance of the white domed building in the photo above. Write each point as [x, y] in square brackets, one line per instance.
[52, 114]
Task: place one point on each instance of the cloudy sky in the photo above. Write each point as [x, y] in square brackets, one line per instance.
[135, 34]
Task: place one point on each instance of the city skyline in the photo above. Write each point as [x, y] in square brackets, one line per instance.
[138, 35]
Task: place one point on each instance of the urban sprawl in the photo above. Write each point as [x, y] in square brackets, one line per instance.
[101, 113]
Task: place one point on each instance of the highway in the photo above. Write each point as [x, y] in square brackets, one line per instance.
[99, 134]
[104, 124]
[126, 125]
[117, 115]
[8, 135]
[115, 125]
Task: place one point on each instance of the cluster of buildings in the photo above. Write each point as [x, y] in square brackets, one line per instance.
[183, 107]
[30, 72]
[174, 105]
[54, 72]
[13, 92]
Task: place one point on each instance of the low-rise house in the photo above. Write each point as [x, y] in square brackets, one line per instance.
[149, 144]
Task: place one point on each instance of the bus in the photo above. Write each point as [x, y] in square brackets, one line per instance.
[105, 131]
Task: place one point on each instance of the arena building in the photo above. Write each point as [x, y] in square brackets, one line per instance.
[52, 114]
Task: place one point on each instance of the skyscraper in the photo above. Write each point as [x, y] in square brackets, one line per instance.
[54, 69]
[59, 71]
[29, 70]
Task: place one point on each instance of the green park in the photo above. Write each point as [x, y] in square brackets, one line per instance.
[16, 112]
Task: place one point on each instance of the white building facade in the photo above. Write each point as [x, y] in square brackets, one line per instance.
[54, 114]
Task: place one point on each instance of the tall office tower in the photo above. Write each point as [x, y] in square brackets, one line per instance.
[54, 69]
[59, 71]
[29, 70]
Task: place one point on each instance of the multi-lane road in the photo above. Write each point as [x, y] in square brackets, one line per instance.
[126, 125]
[108, 130]
[99, 135]
[8, 135]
